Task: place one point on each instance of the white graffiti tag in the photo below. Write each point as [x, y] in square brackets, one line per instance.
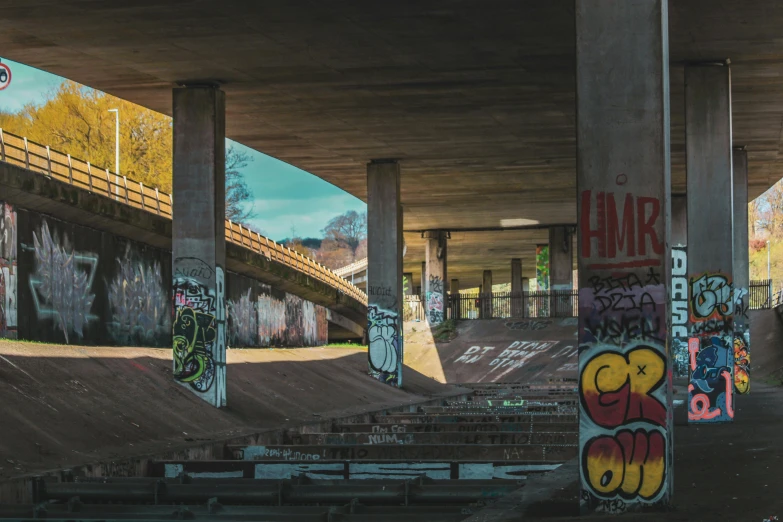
[384, 339]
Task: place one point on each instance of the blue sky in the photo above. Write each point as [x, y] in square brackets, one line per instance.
[284, 196]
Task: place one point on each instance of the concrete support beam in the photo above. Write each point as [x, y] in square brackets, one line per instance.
[516, 288]
[454, 291]
[198, 242]
[623, 187]
[454, 288]
[561, 272]
[741, 273]
[710, 242]
[423, 287]
[680, 296]
[384, 271]
[436, 291]
[486, 298]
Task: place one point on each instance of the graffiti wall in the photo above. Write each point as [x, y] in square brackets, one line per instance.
[7, 271]
[624, 379]
[711, 348]
[259, 316]
[679, 291]
[77, 285]
[741, 343]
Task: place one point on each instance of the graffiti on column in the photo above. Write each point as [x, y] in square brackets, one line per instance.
[435, 309]
[741, 342]
[625, 447]
[385, 350]
[194, 333]
[139, 304]
[680, 357]
[710, 348]
[8, 326]
[61, 285]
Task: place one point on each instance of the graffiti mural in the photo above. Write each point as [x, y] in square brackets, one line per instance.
[8, 273]
[139, 303]
[624, 375]
[542, 267]
[435, 297]
[61, 285]
[680, 300]
[741, 342]
[711, 349]
[385, 349]
[243, 321]
[194, 333]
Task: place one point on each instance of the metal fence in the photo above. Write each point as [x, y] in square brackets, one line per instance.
[500, 305]
[20, 151]
[760, 294]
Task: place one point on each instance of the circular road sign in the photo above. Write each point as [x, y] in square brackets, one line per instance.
[5, 76]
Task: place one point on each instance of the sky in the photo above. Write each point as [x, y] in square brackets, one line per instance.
[284, 197]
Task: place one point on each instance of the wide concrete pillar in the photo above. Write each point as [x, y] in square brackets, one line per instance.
[486, 297]
[423, 280]
[384, 271]
[198, 241]
[561, 271]
[710, 242]
[436, 294]
[516, 288]
[456, 308]
[741, 274]
[680, 292]
[526, 297]
[623, 187]
[407, 280]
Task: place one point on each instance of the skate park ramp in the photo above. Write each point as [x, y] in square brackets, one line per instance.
[496, 350]
[766, 347]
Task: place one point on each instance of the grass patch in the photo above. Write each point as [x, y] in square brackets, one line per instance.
[445, 331]
[355, 346]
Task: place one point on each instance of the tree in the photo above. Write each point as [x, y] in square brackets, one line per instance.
[237, 192]
[76, 120]
[348, 229]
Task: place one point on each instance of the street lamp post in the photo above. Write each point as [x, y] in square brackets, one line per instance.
[116, 152]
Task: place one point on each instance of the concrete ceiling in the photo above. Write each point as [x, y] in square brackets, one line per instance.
[475, 98]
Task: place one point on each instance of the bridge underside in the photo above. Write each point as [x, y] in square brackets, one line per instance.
[477, 103]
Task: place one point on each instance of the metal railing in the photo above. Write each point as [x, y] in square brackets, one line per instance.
[760, 294]
[501, 305]
[356, 266]
[56, 165]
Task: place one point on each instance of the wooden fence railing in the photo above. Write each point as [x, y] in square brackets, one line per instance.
[20, 151]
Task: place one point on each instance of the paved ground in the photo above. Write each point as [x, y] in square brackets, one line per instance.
[67, 405]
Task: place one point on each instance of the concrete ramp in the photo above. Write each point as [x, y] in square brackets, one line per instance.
[496, 350]
[766, 347]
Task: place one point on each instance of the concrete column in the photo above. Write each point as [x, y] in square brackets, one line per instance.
[423, 281]
[561, 272]
[710, 242]
[407, 279]
[486, 298]
[516, 287]
[623, 187]
[436, 295]
[456, 308]
[680, 292]
[198, 242]
[741, 274]
[526, 297]
[384, 271]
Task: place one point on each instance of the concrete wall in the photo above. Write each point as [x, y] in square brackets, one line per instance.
[66, 283]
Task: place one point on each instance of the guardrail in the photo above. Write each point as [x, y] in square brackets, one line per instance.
[20, 151]
[356, 266]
